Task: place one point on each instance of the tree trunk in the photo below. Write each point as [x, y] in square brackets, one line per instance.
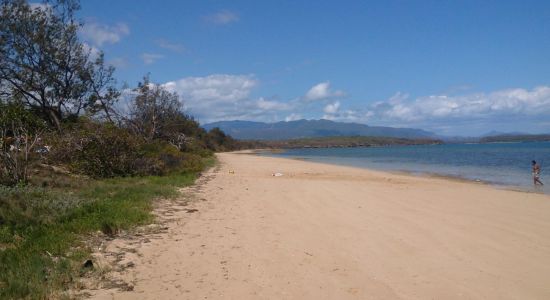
[55, 118]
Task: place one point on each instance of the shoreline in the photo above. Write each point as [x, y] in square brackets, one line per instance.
[456, 178]
[324, 231]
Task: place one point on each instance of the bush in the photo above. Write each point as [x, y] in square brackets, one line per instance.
[103, 150]
[217, 140]
[97, 150]
[159, 158]
[198, 147]
[192, 163]
[20, 132]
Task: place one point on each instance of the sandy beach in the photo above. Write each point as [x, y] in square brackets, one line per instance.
[331, 232]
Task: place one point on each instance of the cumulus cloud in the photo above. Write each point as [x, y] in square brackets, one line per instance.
[100, 34]
[322, 91]
[217, 87]
[150, 58]
[93, 51]
[229, 97]
[344, 116]
[293, 117]
[222, 17]
[510, 110]
[272, 105]
[221, 97]
[467, 114]
[516, 102]
[332, 108]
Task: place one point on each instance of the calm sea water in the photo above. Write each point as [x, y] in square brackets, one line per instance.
[506, 164]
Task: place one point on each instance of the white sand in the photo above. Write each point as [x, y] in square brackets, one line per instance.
[331, 232]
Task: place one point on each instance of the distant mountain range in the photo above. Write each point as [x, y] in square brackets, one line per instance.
[501, 133]
[497, 136]
[248, 130]
[515, 138]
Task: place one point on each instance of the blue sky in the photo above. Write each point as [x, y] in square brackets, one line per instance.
[453, 67]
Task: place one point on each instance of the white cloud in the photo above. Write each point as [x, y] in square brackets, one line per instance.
[229, 97]
[343, 116]
[217, 87]
[471, 106]
[293, 117]
[272, 105]
[508, 110]
[369, 114]
[149, 58]
[322, 91]
[332, 108]
[223, 97]
[176, 47]
[222, 17]
[93, 51]
[99, 34]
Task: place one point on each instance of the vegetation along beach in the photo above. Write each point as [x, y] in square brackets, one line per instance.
[274, 150]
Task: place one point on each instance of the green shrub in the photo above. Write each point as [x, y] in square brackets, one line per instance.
[198, 147]
[99, 150]
[159, 158]
[192, 162]
[217, 140]
[20, 132]
[102, 150]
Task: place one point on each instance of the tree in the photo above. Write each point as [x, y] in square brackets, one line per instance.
[217, 140]
[184, 132]
[43, 63]
[152, 110]
[20, 131]
[104, 94]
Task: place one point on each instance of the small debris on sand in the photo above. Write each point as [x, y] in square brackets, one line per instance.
[88, 264]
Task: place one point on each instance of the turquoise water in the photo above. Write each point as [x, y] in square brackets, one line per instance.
[506, 164]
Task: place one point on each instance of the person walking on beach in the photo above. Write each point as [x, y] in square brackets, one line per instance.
[536, 173]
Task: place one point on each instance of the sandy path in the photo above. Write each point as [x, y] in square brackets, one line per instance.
[330, 232]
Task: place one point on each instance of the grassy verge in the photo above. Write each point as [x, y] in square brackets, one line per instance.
[41, 230]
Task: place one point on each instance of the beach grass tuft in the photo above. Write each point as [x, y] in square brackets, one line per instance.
[43, 230]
